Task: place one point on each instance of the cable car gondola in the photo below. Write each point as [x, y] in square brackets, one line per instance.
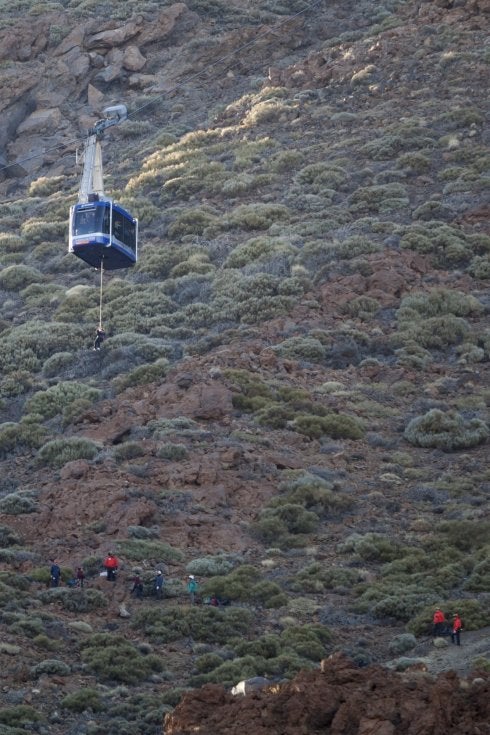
[102, 233]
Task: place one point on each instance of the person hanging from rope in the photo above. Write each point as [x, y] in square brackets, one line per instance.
[100, 337]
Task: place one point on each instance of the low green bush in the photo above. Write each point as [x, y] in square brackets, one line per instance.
[479, 579]
[139, 550]
[18, 716]
[275, 526]
[335, 425]
[202, 623]
[172, 452]
[245, 584]
[17, 504]
[318, 578]
[8, 537]
[142, 532]
[301, 348]
[392, 599]
[143, 374]
[372, 547]
[210, 566]
[57, 398]
[402, 643]
[193, 222]
[17, 277]
[28, 345]
[447, 431]
[84, 699]
[437, 332]
[313, 493]
[257, 216]
[438, 303]
[75, 600]
[26, 434]
[258, 250]
[112, 658]
[51, 666]
[128, 451]
[57, 363]
[58, 452]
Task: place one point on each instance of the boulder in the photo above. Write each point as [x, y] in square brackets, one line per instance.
[112, 37]
[41, 121]
[133, 59]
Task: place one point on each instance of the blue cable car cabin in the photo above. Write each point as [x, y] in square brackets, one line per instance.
[103, 232]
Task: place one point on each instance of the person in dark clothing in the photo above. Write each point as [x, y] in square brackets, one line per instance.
[100, 337]
[55, 573]
[137, 589]
[158, 585]
[80, 576]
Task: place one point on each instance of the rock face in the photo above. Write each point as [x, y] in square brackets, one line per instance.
[341, 700]
[89, 57]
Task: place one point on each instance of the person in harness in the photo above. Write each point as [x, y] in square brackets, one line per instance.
[100, 337]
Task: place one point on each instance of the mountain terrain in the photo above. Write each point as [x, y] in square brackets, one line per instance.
[292, 401]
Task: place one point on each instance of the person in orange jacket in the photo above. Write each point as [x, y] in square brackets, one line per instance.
[439, 622]
[456, 629]
[111, 564]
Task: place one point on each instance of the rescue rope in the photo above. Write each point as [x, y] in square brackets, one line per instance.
[100, 297]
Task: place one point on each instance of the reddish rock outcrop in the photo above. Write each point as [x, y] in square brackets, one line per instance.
[341, 699]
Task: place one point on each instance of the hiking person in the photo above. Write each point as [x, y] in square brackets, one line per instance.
[99, 337]
[192, 586]
[456, 629]
[111, 564]
[438, 623]
[137, 589]
[80, 577]
[158, 585]
[55, 573]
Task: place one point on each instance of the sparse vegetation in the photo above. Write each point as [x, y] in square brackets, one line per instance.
[291, 401]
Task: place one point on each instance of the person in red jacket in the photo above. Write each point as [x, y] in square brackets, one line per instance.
[456, 629]
[111, 563]
[439, 622]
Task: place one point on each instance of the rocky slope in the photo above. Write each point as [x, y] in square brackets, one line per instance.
[312, 195]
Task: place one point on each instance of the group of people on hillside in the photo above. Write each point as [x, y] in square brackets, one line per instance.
[440, 626]
[111, 565]
[55, 576]
[139, 588]
[158, 585]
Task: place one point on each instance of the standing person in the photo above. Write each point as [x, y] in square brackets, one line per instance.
[137, 589]
[192, 586]
[80, 576]
[456, 629]
[55, 573]
[99, 337]
[111, 564]
[158, 585]
[438, 623]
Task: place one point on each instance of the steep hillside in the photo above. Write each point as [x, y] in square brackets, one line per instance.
[292, 400]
